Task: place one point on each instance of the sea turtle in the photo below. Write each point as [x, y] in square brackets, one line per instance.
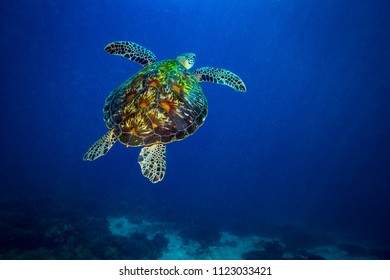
[160, 104]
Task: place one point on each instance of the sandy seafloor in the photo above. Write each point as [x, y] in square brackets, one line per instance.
[229, 246]
[44, 226]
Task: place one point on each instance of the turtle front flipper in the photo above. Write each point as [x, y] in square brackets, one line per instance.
[220, 76]
[152, 162]
[101, 146]
[131, 51]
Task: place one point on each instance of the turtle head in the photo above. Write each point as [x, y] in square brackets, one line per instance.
[187, 59]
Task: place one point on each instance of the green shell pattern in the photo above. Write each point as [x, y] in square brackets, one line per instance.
[161, 103]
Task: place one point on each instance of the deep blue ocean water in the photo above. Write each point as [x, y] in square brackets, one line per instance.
[302, 155]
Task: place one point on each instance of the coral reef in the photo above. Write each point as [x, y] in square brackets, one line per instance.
[203, 233]
[352, 250]
[271, 251]
[48, 228]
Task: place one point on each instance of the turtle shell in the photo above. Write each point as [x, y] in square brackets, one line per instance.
[161, 103]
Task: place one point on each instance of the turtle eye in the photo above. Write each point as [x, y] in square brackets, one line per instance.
[187, 59]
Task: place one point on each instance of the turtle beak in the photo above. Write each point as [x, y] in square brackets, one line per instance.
[187, 59]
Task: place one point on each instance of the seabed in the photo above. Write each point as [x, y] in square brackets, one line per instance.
[228, 247]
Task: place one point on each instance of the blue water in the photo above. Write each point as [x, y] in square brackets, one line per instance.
[304, 152]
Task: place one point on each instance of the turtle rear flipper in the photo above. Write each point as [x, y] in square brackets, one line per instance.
[131, 51]
[101, 146]
[152, 162]
[219, 76]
